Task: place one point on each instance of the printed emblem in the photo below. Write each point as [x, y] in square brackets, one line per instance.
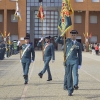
[28, 48]
[77, 47]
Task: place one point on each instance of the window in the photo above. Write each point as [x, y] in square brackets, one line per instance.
[79, 0]
[93, 19]
[13, 19]
[77, 19]
[13, 0]
[50, 24]
[46, 3]
[93, 39]
[14, 37]
[1, 18]
[78, 37]
[95, 0]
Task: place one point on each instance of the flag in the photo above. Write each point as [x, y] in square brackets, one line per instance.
[2, 35]
[40, 12]
[87, 34]
[90, 35]
[9, 42]
[84, 34]
[65, 19]
[5, 34]
[8, 34]
[17, 12]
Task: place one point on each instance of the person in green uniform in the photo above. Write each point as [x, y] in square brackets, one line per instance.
[73, 61]
[49, 53]
[28, 56]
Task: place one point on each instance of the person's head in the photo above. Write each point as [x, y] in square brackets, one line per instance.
[27, 40]
[47, 39]
[73, 34]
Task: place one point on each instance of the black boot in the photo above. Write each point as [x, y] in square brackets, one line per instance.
[49, 80]
[76, 87]
[40, 75]
[69, 94]
[26, 79]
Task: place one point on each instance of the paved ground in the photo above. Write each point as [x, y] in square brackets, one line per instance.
[12, 87]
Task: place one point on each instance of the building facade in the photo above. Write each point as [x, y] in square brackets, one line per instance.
[16, 28]
[86, 18]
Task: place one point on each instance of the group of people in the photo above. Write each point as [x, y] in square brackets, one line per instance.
[94, 48]
[2, 50]
[7, 50]
[72, 63]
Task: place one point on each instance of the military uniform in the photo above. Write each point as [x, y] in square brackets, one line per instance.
[27, 58]
[0, 50]
[3, 50]
[73, 60]
[49, 53]
[7, 50]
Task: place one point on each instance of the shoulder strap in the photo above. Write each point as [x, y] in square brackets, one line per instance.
[70, 51]
[25, 50]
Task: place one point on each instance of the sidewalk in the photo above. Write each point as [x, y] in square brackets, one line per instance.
[12, 87]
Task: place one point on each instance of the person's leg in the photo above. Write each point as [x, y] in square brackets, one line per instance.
[65, 79]
[69, 80]
[49, 73]
[24, 65]
[26, 71]
[46, 64]
[75, 74]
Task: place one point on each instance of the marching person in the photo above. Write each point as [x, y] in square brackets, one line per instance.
[73, 61]
[26, 59]
[49, 53]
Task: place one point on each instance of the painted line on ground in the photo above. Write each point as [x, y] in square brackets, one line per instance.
[9, 60]
[90, 75]
[26, 86]
[92, 58]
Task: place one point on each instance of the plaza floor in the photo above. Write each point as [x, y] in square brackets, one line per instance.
[12, 87]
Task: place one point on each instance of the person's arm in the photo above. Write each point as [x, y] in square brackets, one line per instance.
[59, 40]
[80, 54]
[53, 52]
[33, 54]
[39, 44]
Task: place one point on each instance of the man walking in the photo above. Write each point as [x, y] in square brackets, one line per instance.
[73, 61]
[27, 51]
[49, 53]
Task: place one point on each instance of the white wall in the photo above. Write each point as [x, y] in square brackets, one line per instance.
[14, 37]
[93, 39]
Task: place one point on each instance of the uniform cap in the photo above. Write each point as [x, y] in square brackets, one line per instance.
[47, 37]
[40, 0]
[26, 38]
[73, 32]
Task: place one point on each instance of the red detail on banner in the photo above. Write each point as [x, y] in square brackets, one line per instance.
[40, 13]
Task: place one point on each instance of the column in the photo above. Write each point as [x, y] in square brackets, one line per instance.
[87, 21]
[22, 24]
[87, 28]
[5, 17]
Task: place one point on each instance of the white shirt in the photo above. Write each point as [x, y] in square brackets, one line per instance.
[74, 41]
[18, 43]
